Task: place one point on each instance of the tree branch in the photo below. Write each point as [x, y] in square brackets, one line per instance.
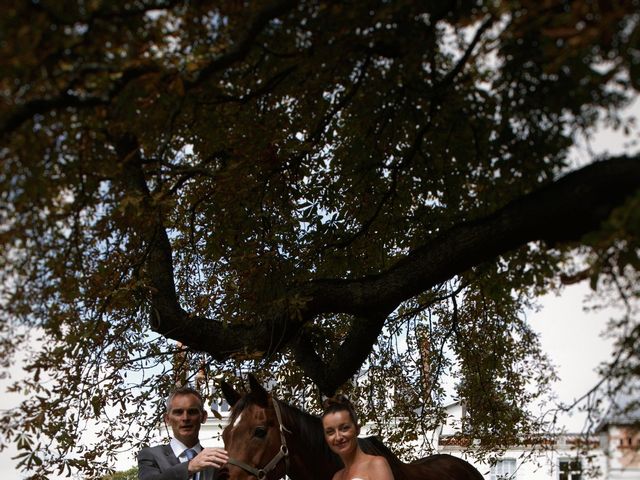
[20, 113]
[448, 79]
[348, 358]
[158, 258]
[242, 48]
[559, 212]
[16, 116]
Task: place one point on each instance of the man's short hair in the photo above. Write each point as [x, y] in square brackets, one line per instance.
[184, 391]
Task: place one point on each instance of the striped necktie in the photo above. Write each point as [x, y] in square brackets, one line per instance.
[190, 453]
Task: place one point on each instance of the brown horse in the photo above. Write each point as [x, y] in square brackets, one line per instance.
[269, 439]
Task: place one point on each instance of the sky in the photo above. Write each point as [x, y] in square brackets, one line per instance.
[575, 342]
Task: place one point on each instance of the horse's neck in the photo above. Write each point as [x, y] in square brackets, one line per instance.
[309, 467]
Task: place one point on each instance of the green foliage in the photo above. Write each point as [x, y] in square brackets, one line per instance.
[131, 474]
[219, 160]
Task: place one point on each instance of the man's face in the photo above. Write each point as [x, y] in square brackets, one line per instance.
[185, 417]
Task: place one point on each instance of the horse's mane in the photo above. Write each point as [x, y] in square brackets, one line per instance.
[309, 428]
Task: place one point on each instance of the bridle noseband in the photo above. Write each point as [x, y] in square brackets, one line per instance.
[283, 453]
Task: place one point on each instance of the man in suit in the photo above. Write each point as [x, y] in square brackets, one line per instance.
[183, 458]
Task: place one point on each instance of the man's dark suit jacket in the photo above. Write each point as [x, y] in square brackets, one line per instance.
[160, 463]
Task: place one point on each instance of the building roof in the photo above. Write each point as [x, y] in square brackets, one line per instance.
[624, 409]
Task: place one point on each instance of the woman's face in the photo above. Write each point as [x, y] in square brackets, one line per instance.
[340, 432]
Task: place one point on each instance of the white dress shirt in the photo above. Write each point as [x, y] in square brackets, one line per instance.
[179, 450]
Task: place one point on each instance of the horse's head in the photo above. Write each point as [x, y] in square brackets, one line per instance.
[253, 438]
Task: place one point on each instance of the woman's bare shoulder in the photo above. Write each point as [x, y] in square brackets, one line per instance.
[377, 460]
[380, 467]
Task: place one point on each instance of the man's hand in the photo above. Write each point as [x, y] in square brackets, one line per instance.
[208, 457]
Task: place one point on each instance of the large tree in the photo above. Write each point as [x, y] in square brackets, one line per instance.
[295, 186]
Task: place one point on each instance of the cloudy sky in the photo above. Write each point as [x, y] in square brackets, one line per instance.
[573, 338]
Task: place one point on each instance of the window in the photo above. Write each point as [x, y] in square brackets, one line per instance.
[504, 469]
[570, 469]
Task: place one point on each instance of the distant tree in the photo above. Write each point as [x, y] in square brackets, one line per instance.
[307, 189]
[131, 474]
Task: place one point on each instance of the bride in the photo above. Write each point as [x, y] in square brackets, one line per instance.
[341, 431]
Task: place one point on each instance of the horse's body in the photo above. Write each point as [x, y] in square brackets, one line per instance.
[259, 425]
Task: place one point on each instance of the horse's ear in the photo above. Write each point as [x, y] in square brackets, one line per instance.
[260, 394]
[230, 394]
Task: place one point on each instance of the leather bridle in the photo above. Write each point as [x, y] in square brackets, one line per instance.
[283, 453]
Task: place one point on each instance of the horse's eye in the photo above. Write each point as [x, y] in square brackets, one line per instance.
[260, 432]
